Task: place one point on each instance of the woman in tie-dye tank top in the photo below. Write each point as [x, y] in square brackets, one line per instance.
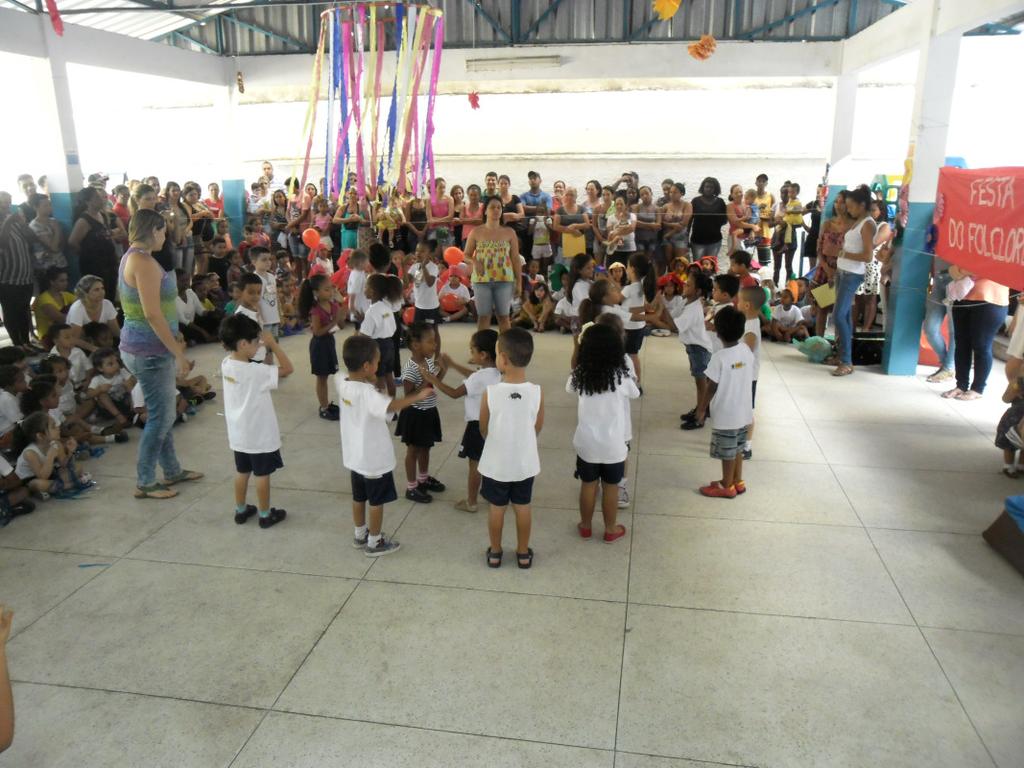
[493, 250]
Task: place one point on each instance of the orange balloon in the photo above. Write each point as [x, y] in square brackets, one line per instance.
[311, 238]
[450, 303]
[453, 255]
[408, 315]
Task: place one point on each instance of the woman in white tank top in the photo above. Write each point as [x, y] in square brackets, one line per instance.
[858, 245]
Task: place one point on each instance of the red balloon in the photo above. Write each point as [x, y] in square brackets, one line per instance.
[408, 315]
[453, 255]
[311, 238]
[450, 303]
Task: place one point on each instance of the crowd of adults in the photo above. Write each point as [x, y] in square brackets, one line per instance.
[848, 247]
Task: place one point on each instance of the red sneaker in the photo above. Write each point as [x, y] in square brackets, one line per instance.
[585, 533]
[718, 491]
[620, 531]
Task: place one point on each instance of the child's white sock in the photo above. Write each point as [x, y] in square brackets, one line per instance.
[622, 483]
[96, 430]
[746, 446]
[108, 438]
[373, 541]
[361, 531]
[1010, 467]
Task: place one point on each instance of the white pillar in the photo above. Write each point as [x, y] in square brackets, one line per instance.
[933, 104]
[63, 170]
[844, 117]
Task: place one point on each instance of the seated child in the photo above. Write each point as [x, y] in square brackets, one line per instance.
[111, 386]
[235, 268]
[787, 320]
[1008, 432]
[564, 315]
[12, 384]
[189, 308]
[44, 394]
[14, 500]
[235, 291]
[45, 465]
[98, 335]
[455, 287]
[739, 265]
[287, 299]
[63, 336]
[209, 318]
[536, 313]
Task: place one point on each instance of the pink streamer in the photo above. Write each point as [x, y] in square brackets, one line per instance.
[417, 77]
[346, 29]
[435, 71]
[316, 99]
[377, 110]
[360, 169]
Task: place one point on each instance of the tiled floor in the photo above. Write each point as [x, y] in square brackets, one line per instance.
[845, 612]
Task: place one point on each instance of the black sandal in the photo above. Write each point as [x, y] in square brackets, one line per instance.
[494, 558]
[524, 559]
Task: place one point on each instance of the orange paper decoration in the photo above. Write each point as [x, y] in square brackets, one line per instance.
[666, 9]
[703, 49]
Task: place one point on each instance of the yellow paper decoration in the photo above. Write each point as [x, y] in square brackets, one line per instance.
[666, 9]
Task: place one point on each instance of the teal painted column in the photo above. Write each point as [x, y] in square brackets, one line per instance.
[908, 294]
[234, 207]
[933, 104]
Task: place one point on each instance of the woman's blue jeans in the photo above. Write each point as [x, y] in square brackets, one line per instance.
[847, 284]
[977, 323]
[155, 373]
[935, 312]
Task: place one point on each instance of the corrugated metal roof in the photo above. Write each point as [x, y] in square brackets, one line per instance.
[248, 29]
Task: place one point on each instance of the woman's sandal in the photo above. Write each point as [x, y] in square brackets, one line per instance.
[186, 476]
[831, 360]
[950, 394]
[970, 394]
[154, 491]
[494, 558]
[843, 370]
[524, 559]
[585, 532]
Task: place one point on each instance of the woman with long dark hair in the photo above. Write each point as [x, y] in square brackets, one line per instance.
[858, 246]
[493, 250]
[92, 239]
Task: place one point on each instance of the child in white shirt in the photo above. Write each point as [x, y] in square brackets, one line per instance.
[787, 320]
[356, 287]
[253, 433]
[12, 384]
[249, 305]
[749, 303]
[269, 311]
[454, 287]
[693, 333]
[511, 416]
[730, 380]
[602, 382]
[424, 274]
[482, 352]
[366, 447]
[63, 336]
[378, 323]
[723, 294]
[111, 386]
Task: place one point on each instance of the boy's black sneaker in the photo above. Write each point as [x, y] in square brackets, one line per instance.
[241, 517]
[418, 495]
[121, 437]
[383, 547]
[275, 517]
[748, 454]
[432, 484]
[689, 416]
[330, 412]
[24, 508]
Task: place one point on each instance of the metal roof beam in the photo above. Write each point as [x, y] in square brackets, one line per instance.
[266, 32]
[534, 28]
[192, 41]
[790, 18]
[23, 6]
[483, 14]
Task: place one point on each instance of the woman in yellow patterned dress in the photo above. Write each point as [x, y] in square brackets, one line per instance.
[493, 251]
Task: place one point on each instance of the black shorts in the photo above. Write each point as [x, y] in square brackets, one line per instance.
[323, 355]
[376, 491]
[259, 464]
[387, 356]
[428, 316]
[472, 446]
[634, 340]
[609, 474]
[753, 393]
[502, 494]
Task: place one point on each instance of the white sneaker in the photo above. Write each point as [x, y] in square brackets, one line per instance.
[623, 497]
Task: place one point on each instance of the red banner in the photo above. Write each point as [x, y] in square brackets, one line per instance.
[980, 222]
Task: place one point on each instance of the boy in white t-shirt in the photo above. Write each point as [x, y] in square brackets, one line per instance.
[730, 375]
[249, 301]
[253, 433]
[511, 416]
[12, 384]
[455, 287]
[111, 386]
[356, 287]
[262, 263]
[787, 320]
[749, 303]
[64, 345]
[366, 447]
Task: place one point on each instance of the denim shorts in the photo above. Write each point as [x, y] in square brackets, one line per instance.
[274, 328]
[699, 358]
[493, 298]
[727, 443]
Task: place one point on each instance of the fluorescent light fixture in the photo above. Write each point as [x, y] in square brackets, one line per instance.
[517, 62]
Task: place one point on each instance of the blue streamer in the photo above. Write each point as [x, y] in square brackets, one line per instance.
[393, 111]
[344, 117]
